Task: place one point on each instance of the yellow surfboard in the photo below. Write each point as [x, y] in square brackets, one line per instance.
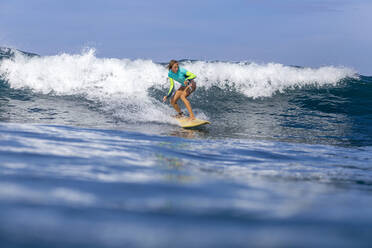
[186, 123]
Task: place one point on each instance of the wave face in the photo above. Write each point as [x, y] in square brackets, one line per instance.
[269, 101]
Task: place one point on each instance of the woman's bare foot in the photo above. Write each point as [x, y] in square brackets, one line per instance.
[179, 115]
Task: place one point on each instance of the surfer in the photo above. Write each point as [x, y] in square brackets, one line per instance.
[188, 86]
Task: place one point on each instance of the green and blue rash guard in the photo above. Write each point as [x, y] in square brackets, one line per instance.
[181, 76]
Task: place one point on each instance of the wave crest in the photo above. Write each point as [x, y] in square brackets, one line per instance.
[254, 80]
[122, 85]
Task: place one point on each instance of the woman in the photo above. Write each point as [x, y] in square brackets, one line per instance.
[188, 85]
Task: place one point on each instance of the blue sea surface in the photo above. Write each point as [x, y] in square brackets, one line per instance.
[286, 162]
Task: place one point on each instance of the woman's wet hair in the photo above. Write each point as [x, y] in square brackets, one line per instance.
[171, 63]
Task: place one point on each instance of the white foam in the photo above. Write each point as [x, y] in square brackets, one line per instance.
[256, 80]
[121, 85]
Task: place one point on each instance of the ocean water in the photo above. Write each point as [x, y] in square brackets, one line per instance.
[90, 157]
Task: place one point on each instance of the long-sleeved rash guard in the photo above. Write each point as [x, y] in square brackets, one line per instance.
[181, 76]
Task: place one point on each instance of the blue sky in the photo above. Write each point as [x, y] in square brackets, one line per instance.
[292, 32]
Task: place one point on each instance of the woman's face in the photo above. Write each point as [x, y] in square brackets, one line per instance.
[175, 68]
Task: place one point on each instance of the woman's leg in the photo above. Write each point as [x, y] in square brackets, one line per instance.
[183, 97]
[174, 100]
